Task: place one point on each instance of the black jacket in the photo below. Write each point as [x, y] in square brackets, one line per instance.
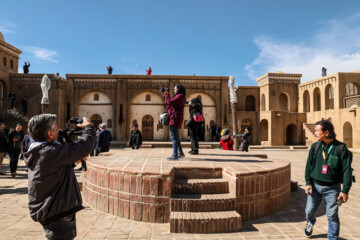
[135, 138]
[11, 143]
[53, 189]
[195, 107]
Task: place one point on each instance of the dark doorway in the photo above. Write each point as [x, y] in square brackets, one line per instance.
[291, 135]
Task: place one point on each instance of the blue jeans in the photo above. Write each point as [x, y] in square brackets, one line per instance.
[64, 228]
[174, 134]
[330, 193]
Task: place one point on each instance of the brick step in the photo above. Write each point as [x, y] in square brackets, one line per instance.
[201, 186]
[187, 173]
[205, 222]
[202, 202]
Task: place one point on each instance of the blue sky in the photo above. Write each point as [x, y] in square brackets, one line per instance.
[245, 39]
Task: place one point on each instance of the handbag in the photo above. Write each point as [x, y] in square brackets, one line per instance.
[198, 117]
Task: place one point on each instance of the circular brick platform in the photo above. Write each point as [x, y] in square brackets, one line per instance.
[139, 184]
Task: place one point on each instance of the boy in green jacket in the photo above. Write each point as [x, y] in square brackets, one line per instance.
[328, 165]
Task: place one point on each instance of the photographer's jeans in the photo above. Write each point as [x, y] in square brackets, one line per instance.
[174, 134]
[330, 194]
[64, 228]
[14, 159]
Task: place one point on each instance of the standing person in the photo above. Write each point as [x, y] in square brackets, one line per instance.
[13, 98]
[28, 140]
[135, 141]
[226, 141]
[218, 132]
[24, 105]
[245, 140]
[195, 109]
[54, 194]
[14, 147]
[213, 132]
[148, 71]
[323, 72]
[328, 164]
[3, 146]
[26, 67]
[103, 139]
[175, 108]
[109, 69]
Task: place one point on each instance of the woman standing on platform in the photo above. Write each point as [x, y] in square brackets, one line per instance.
[175, 108]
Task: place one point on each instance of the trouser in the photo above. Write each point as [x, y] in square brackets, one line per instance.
[174, 134]
[102, 149]
[14, 159]
[194, 143]
[330, 193]
[64, 228]
[245, 147]
[135, 147]
[2, 155]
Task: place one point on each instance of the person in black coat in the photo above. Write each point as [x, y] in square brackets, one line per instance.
[194, 124]
[245, 140]
[135, 141]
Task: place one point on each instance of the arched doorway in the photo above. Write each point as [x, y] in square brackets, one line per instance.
[250, 103]
[348, 136]
[291, 134]
[284, 102]
[96, 119]
[148, 128]
[264, 132]
[317, 99]
[306, 101]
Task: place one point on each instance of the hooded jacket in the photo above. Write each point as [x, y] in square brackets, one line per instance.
[53, 189]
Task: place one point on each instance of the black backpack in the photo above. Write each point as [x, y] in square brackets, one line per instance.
[339, 150]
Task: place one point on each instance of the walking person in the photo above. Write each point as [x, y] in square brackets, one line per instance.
[328, 165]
[3, 146]
[245, 140]
[103, 139]
[135, 141]
[14, 147]
[175, 108]
[194, 124]
[54, 194]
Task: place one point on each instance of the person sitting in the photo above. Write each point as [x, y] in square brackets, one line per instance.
[226, 141]
[135, 141]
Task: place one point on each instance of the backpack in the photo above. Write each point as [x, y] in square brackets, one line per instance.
[339, 150]
[198, 117]
[164, 118]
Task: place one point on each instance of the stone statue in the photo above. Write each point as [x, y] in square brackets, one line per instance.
[233, 97]
[45, 86]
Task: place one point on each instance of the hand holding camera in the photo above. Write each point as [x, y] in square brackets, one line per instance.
[84, 121]
[165, 90]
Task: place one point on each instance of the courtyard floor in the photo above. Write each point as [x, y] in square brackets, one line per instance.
[15, 221]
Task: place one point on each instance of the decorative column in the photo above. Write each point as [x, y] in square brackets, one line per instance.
[233, 102]
[45, 86]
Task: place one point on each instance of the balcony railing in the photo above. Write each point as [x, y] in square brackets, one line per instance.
[351, 101]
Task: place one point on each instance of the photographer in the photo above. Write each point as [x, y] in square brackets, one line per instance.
[54, 194]
[175, 108]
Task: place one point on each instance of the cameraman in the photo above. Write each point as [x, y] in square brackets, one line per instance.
[54, 194]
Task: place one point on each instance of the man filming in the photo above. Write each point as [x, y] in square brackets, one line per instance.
[54, 194]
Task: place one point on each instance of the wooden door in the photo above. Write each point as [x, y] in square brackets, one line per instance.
[147, 128]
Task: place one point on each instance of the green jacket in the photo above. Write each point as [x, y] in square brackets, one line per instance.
[339, 170]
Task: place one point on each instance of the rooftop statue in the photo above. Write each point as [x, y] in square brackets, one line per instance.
[45, 86]
[233, 97]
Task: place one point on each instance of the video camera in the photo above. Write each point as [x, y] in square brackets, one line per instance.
[71, 133]
[164, 89]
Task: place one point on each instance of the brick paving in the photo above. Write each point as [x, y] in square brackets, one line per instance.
[15, 222]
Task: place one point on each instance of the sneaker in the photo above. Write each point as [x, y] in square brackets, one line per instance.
[172, 158]
[181, 155]
[308, 229]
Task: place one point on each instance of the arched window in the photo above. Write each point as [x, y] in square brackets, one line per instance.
[351, 89]
[306, 101]
[109, 123]
[329, 97]
[96, 97]
[348, 134]
[11, 64]
[264, 130]
[5, 61]
[317, 99]
[250, 103]
[263, 103]
[147, 98]
[284, 102]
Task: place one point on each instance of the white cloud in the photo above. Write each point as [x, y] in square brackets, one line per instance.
[42, 54]
[7, 27]
[335, 47]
